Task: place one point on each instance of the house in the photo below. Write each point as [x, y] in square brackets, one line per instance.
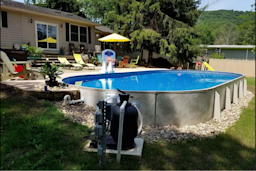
[46, 28]
[239, 52]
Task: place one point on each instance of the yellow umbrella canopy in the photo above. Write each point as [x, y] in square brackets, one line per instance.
[50, 40]
[114, 38]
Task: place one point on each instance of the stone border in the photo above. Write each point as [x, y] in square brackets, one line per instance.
[209, 129]
[53, 95]
[84, 114]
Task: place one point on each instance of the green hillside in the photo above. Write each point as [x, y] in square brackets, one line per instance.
[224, 16]
[226, 27]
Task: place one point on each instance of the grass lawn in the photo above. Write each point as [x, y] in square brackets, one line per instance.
[35, 135]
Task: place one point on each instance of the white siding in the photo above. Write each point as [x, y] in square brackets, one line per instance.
[21, 30]
[11, 34]
[29, 29]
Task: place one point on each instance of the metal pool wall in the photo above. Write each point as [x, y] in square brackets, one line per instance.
[178, 108]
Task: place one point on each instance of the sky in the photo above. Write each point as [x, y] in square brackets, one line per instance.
[236, 5]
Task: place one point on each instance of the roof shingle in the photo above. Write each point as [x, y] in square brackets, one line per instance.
[104, 29]
[49, 11]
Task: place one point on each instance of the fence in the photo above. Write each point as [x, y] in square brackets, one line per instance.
[238, 66]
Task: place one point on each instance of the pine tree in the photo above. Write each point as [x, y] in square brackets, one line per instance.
[162, 26]
[72, 6]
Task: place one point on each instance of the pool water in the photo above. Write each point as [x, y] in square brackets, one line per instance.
[171, 80]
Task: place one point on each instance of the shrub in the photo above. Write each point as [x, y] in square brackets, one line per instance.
[217, 56]
[35, 52]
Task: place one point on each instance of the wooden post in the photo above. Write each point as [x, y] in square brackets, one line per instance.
[24, 66]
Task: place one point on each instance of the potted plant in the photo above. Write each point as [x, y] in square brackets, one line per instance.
[52, 72]
[62, 50]
[24, 46]
[34, 53]
[93, 60]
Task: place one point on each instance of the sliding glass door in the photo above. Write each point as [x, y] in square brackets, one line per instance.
[47, 36]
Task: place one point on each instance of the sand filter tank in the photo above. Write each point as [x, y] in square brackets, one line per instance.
[130, 124]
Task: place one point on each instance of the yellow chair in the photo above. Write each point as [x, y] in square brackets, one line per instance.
[79, 60]
[65, 63]
[134, 62]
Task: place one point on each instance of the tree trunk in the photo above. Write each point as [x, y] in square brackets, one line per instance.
[150, 55]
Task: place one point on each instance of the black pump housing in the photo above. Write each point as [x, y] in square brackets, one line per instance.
[130, 125]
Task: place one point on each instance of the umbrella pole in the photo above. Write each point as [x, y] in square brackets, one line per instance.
[115, 46]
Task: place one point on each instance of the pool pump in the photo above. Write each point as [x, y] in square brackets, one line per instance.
[116, 117]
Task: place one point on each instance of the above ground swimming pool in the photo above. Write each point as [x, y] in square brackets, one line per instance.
[166, 97]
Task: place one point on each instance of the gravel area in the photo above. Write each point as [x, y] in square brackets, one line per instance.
[85, 115]
[78, 112]
[41, 87]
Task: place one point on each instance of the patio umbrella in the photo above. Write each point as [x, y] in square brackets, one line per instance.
[50, 40]
[114, 37]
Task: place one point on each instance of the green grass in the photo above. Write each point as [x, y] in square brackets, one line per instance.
[35, 135]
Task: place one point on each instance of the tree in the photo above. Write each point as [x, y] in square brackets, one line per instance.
[227, 35]
[247, 30]
[206, 34]
[72, 6]
[158, 25]
[253, 50]
[95, 9]
[215, 23]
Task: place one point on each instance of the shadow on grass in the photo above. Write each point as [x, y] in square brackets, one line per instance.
[35, 135]
[224, 152]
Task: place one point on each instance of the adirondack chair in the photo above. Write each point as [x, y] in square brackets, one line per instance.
[7, 69]
[99, 57]
[118, 59]
[134, 62]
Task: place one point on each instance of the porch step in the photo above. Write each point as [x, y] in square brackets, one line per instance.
[53, 58]
[56, 56]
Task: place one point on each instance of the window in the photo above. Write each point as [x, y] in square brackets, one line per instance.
[46, 35]
[218, 50]
[4, 19]
[83, 34]
[89, 32]
[67, 32]
[74, 33]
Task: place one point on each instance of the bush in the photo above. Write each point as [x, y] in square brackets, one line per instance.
[35, 52]
[253, 51]
[217, 56]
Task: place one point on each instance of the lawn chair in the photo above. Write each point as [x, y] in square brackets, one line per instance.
[7, 69]
[134, 62]
[99, 57]
[118, 59]
[65, 63]
[125, 61]
[79, 60]
[71, 48]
